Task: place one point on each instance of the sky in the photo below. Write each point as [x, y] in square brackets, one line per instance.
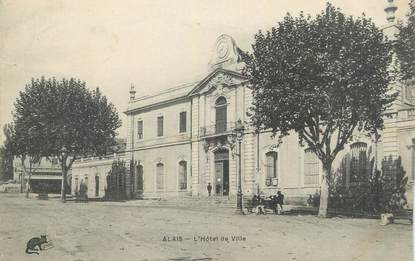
[154, 44]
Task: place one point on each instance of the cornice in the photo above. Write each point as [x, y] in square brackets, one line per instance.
[157, 104]
[194, 91]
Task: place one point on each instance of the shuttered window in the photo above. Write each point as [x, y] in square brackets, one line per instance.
[160, 176]
[311, 168]
[271, 164]
[139, 180]
[160, 123]
[182, 127]
[140, 130]
[183, 175]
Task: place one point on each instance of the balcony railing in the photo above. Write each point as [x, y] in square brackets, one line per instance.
[217, 129]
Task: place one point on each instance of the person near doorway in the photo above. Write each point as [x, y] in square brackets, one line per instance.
[209, 188]
[280, 200]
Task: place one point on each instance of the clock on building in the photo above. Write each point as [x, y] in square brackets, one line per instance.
[223, 47]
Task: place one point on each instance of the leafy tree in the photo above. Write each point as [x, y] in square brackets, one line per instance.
[30, 157]
[405, 45]
[63, 119]
[323, 78]
[6, 155]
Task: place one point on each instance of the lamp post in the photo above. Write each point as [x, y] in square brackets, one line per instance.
[239, 131]
[64, 155]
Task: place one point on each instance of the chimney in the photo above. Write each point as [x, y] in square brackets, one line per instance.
[391, 28]
[132, 92]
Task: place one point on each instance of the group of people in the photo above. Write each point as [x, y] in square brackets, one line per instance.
[273, 202]
[219, 189]
[259, 203]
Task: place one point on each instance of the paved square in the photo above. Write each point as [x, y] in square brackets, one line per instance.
[147, 231]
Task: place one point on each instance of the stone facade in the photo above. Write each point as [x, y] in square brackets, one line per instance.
[183, 138]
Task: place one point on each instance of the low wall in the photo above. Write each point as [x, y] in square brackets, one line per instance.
[10, 188]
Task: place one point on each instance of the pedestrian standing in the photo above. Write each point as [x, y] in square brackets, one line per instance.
[209, 188]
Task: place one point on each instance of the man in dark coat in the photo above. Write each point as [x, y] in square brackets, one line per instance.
[209, 188]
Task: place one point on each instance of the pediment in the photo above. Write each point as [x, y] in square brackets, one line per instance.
[218, 79]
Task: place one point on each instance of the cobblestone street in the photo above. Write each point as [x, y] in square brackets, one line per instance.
[147, 231]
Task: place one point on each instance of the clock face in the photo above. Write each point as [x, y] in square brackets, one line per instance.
[222, 49]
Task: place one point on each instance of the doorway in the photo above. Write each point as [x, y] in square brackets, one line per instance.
[96, 186]
[221, 182]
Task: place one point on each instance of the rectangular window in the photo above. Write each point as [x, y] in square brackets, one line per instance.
[271, 165]
[182, 175]
[140, 130]
[160, 126]
[311, 168]
[182, 127]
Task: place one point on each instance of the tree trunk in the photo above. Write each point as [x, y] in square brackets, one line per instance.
[21, 181]
[63, 188]
[28, 186]
[324, 193]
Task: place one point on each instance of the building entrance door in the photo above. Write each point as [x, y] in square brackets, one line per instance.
[221, 186]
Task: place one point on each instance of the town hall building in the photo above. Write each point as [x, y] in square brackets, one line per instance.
[183, 139]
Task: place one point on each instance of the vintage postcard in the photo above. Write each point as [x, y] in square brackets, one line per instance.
[207, 130]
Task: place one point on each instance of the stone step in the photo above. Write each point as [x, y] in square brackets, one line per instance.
[192, 202]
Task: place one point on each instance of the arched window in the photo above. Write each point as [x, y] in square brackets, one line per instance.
[160, 176]
[311, 168]
[359, 162]
[183, 175]
[220, 106]
[271, 166]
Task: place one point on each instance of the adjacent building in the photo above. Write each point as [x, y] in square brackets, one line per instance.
[43, 176]
[93, 171]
